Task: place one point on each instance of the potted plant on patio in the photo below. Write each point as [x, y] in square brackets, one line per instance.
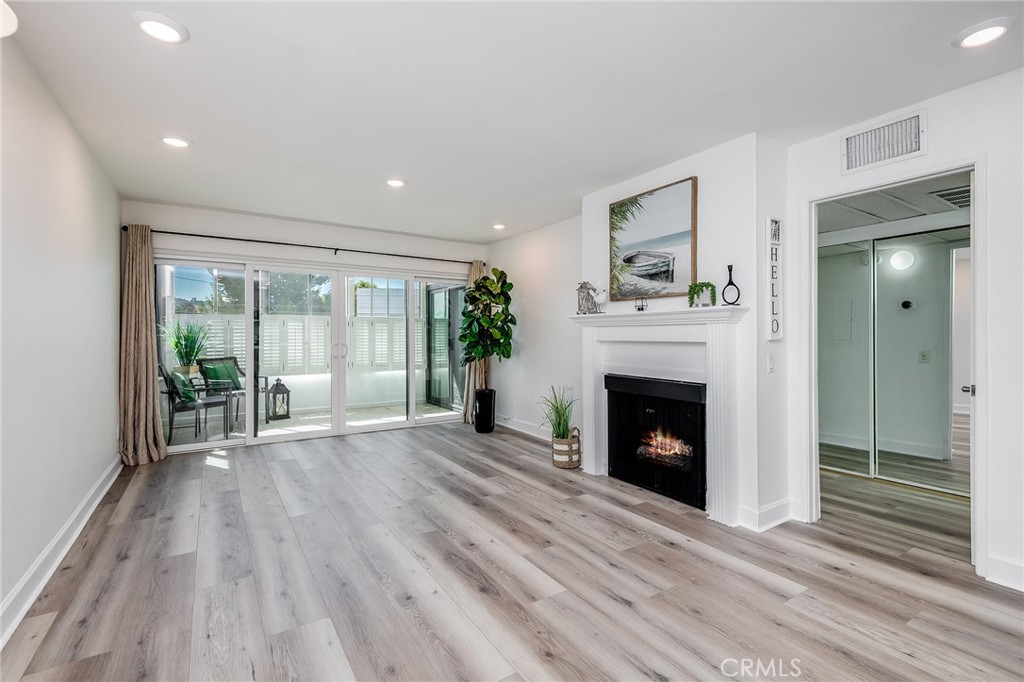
[187, 341]
[565, 438]
[486, 332]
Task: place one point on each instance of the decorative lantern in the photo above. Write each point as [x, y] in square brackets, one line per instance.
[280, 401]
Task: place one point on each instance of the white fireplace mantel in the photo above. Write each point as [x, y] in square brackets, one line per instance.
[695, 344]
[688, 316]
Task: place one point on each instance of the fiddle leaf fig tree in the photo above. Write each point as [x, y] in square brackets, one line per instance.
[487, 322]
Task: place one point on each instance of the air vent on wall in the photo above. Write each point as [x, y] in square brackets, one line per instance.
[959, 197]
[885, 143]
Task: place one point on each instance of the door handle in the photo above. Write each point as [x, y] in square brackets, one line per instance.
[342, 350]
[968, 389]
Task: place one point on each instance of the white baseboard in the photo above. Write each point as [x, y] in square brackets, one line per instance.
[25, 592]
[765, 517]
[1005, 571]
[523, 426]
[915, 449]
[852, 442]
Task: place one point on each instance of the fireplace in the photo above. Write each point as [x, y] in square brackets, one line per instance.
[656, 436]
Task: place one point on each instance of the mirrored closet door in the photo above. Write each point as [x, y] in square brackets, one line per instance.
[894, 343]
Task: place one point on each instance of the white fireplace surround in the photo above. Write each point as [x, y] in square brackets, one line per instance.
[696, 344]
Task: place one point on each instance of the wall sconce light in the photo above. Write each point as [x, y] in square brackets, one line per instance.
[901, 260]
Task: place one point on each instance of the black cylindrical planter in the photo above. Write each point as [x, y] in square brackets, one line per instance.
[484, 415]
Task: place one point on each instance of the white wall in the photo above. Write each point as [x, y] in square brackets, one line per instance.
[250, 226]
[962, 293]
[740, 184]
[772, 385]
[979, 124]
[913, 399]
[544, 266]
[60, 274]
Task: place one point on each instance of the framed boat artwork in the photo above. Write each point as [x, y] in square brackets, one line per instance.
[653, 239]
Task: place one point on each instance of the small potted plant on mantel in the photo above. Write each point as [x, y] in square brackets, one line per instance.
[565, 438]
[486, 332]
[187, 341]
[702, 295]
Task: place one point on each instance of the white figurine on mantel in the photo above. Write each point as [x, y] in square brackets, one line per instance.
[587, 299]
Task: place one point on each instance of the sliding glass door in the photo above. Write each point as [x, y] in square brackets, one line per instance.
[376, 377]
[292, 335]
[200, 324]
[281, 356]
[439, 390]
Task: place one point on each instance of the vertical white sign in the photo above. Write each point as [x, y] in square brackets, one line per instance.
[773, 244]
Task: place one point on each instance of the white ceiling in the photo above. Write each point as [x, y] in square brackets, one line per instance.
[493, 112]
[910, 200]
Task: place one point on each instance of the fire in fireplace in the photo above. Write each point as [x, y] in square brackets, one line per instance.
[656, 436]
[665, 449]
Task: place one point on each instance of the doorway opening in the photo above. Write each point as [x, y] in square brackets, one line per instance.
[894, 335]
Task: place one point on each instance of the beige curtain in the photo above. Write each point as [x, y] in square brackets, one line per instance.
[140, 431]
[476, 372]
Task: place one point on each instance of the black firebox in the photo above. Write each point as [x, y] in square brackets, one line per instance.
[656, 436]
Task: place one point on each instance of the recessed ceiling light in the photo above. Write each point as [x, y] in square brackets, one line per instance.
[498, 226]
[395, 182]
[162, 28]
[8, 20]
[984, 33]
[175, 141]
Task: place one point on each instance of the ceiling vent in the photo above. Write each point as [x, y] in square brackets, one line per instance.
[960, 197]
[868, 147]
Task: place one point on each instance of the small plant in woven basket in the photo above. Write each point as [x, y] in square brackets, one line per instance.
[557, 410]
[565, 438]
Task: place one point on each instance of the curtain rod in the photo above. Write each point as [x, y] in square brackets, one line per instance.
[335, 249]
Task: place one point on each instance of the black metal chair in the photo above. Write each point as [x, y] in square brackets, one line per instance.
[184, 396]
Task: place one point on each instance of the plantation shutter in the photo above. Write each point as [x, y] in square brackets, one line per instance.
[270, 345]
[236, 339]
[380, 344]
[319, 334]
[418, 351]
[216, 344]
[293, 330]
[397, 334]
[359, 342]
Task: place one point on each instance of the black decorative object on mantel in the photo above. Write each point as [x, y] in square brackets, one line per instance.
[640, 304]
[730, 292]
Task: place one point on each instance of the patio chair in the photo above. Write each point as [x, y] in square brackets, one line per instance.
[223, 376]
[184, 396]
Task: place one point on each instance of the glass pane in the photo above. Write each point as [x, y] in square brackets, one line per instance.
[438, 362]
[913, 361]
[844, 356]
[375, 376]
[200, 323]
[293, 335]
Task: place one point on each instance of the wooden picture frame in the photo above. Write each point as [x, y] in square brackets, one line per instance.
[650, 236]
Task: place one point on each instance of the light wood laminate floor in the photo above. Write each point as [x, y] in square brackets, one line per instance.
[439, 554]
[953, 475]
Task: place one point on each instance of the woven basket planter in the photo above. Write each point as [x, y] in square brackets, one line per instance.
[566, 452]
